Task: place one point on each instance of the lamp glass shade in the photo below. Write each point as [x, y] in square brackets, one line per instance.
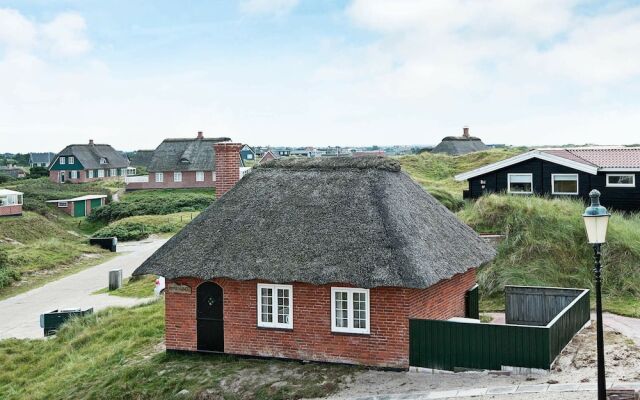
[596, 228]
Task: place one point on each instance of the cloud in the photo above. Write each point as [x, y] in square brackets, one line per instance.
[16, 32]
[66, 34]
[276, 7]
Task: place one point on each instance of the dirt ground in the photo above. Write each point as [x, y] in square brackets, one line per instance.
[576, 364]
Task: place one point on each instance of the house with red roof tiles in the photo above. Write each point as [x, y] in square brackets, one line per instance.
[570, 172]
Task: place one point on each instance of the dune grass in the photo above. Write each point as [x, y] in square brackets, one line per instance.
[546, 244]
[137, 287]
[118, 354]
[140, 227]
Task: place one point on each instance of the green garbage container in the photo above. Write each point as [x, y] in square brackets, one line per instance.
[50, 322]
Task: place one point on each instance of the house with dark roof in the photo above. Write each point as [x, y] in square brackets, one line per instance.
[459, 145]
[330, 266]
[87, 162]
[183, 163]
[41, 159]
[141, 158]
[247, 153]
[571, 172]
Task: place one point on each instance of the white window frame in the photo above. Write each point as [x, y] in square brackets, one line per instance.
[349, 328]
[509, 183]
[274, 304]
[553, 185]
[103, 160]
[63, 160]
[90, 174]
[71, 160]
[114, 171]
[621, 184]
[213, 176]
[74, 174]
[100, 173]
[63, 204]
[177, 176]
[161, 176]
[199, 176]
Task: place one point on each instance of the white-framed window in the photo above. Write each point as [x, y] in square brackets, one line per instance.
[564, 184]
[159, 176]
[90, 173]
[199, 176]
[63, 204]
[103, 160]
[100, 173]
[114, 172]
[123, 172]
[71, 160]
[63, 160]
[213, 176]
[177, 176]
[74, 174]
[621, 180]
[350, 310]
[249, 156]
[520, 183]
[275, 306]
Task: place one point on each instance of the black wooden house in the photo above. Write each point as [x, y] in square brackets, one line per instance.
[571, 172]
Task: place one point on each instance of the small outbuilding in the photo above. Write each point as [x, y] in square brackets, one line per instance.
[10, 203]
[322, 259]
[80, 206]
[458, 145]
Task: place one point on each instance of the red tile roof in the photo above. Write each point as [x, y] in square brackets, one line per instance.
[603, 157]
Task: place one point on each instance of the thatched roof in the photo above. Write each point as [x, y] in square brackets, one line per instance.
[360, 221]
[89, 155]
[141, 158]
[458, 145]
[185, 155]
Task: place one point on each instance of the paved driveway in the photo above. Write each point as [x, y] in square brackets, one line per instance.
[19, 315]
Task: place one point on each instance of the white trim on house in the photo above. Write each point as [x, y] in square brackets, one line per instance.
[90, 174]
[100, 173]
[350, 320]
[199, 176]
[274, 306]
[553, 185]
[530, 175]
[633, 178]
[524, 157]
[177, 176]
[71, 160]
[74, 174]
[63, 160]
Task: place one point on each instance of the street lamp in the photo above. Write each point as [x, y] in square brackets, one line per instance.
[596, 219]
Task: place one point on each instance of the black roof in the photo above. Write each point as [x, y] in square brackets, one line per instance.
[360, 221]
[89, 155]
[41, 157]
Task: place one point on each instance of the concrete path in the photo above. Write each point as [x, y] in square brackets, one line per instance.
[629, 327]
[19, 315]
[550, 390]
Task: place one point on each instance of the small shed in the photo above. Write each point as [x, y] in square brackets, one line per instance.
[458, 145]
[10, 203]
[80, 206]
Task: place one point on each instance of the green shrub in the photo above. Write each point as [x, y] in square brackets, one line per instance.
[140, 227]
[125, 231]
[447, 199]
[154, 202]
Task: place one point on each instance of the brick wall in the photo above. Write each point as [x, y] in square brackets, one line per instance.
[83, 176]
[188, 181]
[387, 345]
[227, 166]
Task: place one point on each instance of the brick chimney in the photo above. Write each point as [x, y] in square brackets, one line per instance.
[200, 135]
[227, 166]
[465, 132]
[91, 142]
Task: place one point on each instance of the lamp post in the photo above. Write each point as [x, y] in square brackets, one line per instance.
[596, 219]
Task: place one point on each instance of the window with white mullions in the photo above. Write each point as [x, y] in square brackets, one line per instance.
[520, 183]
[275, 304]
[350, 310]
[621, 180]
[566, 184]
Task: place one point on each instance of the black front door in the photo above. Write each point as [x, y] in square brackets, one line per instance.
[209, 314]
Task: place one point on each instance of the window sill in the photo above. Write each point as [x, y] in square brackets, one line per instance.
[338, 333]
[274, 328]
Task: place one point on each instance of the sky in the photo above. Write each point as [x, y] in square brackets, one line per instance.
[311, 72]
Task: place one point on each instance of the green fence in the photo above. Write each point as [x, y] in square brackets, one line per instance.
[449, 345]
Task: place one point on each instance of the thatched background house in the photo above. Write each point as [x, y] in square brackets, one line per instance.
[330, 268]
[458, 145]
[79, 163]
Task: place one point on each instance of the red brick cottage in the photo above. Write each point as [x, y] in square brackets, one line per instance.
[317, 259]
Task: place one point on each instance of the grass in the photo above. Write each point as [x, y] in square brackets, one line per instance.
[117, 354]
[154, 202]
[140, 227]
[139, 287]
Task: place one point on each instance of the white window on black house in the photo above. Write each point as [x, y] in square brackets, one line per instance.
[621, 180]
[275, 306]
[72, 160]
[63, 160]
[177, 176]
[520, 183]
[566, 184]
[199, 176]
[159, 177]
[350, 310]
